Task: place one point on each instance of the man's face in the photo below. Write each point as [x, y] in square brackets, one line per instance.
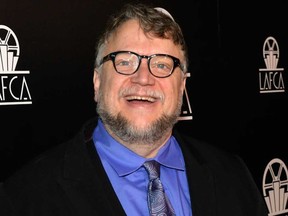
[140, 99]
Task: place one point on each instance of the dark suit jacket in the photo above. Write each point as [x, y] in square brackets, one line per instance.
[69, 180]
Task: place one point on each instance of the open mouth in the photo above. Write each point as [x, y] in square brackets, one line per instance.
[140, 99]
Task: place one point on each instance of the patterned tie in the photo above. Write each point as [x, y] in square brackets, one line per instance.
[158, 203]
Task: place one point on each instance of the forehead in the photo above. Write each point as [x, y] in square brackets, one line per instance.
[129, 36]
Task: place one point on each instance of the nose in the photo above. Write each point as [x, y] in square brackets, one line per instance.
[143, 75]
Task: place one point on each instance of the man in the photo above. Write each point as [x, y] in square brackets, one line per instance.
[139, 79]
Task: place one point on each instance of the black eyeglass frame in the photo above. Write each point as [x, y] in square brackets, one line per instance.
[112, 56]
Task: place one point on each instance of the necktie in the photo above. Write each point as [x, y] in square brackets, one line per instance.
[158, 203]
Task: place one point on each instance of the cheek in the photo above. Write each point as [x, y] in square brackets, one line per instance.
[173, 98]
[109, 88]
[173, 94]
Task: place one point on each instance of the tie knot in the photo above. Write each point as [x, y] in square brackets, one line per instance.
[153, 169]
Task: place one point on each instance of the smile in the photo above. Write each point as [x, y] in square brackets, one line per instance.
[141, 98]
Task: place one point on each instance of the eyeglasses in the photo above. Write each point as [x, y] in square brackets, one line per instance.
[127, 63]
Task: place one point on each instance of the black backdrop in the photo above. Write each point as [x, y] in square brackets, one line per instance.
[225, 40]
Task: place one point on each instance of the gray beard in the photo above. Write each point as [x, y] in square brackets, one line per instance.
[126, 132]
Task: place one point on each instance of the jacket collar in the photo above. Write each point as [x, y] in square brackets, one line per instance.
[199, 176]
[84, 179]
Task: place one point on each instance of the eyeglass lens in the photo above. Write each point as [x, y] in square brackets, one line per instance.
[159, 65]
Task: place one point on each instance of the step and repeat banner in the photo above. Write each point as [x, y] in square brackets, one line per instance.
[236, 95]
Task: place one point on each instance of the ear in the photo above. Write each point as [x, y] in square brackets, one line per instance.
[96, 82]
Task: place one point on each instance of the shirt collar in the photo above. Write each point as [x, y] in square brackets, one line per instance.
[124, 161]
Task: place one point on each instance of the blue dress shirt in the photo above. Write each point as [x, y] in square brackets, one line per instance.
[130, 180]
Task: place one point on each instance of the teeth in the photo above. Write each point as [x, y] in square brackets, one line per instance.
[150, 99]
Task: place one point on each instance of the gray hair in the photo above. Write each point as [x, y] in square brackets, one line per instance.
[152, 21]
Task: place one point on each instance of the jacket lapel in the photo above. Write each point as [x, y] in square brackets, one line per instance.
[85, 182]
[200, 180]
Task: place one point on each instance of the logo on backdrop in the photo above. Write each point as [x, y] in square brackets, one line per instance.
[275, 187]
[186, 113]
[13, 84]
[271, 77]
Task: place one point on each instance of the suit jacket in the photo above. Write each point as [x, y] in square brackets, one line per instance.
[69, 180]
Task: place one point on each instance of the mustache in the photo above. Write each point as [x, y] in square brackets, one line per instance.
[141, 91]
